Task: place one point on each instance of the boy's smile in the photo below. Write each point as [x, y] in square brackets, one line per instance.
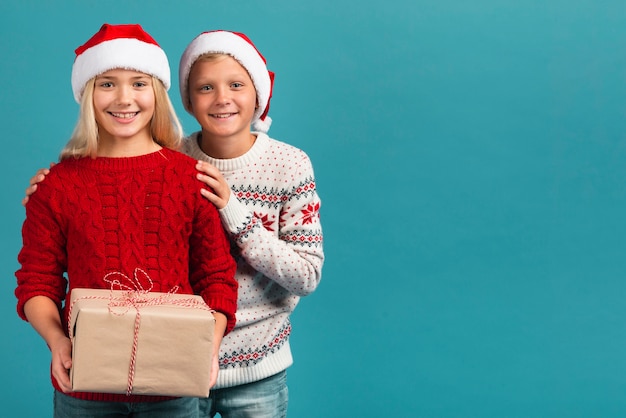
[222, 115]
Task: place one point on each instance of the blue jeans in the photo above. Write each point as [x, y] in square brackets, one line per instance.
[266, 398]
[67, 407]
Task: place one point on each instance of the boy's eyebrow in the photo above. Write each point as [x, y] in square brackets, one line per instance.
[230, 76]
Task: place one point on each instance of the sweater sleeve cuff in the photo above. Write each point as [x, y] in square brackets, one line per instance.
[227, 308]
[234, 215]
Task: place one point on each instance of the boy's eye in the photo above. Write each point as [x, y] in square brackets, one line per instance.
[206, 88]
[237, 85]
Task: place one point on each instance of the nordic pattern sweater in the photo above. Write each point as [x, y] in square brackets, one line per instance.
[273, 221]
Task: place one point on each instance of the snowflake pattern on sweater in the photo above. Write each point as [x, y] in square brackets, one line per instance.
[274, 225]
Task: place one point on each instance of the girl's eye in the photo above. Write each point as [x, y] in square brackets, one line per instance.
[140, 84]
[106, 84]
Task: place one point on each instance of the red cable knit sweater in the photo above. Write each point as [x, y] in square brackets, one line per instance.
[91, 217]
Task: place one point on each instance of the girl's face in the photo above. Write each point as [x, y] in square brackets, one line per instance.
[222, 98]
[123, 102]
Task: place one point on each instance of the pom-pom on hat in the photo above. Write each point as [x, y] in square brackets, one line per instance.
[241, 48]
[118, 46]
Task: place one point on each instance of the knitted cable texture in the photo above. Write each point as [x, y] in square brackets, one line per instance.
[91, 217]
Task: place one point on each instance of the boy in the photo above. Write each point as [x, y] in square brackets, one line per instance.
[266, 195]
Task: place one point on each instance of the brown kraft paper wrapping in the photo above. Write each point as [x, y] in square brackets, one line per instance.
[173, 343]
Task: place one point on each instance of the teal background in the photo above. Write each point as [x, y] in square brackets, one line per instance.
[471, 161]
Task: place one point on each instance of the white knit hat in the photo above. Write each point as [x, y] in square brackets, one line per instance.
[241, 48]
[118, 46]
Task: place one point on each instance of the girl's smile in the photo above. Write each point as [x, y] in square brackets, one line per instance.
[126, 116]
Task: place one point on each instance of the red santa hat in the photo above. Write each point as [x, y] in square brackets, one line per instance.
[118, 46]
[241, 48]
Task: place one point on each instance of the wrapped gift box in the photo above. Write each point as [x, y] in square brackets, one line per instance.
[171, 345]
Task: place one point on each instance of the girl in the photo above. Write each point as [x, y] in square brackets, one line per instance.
[120, 199]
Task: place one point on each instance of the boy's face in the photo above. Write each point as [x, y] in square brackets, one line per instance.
[222, 98]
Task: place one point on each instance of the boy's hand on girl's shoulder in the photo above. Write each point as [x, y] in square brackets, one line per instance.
[34, 180]
[211, 176]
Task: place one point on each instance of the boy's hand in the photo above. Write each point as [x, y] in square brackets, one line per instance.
[32, 185]
[212, 177]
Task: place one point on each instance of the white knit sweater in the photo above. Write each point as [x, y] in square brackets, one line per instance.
[273, 221]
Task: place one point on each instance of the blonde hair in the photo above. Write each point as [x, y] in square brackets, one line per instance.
[213, 56]
[165, 126]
